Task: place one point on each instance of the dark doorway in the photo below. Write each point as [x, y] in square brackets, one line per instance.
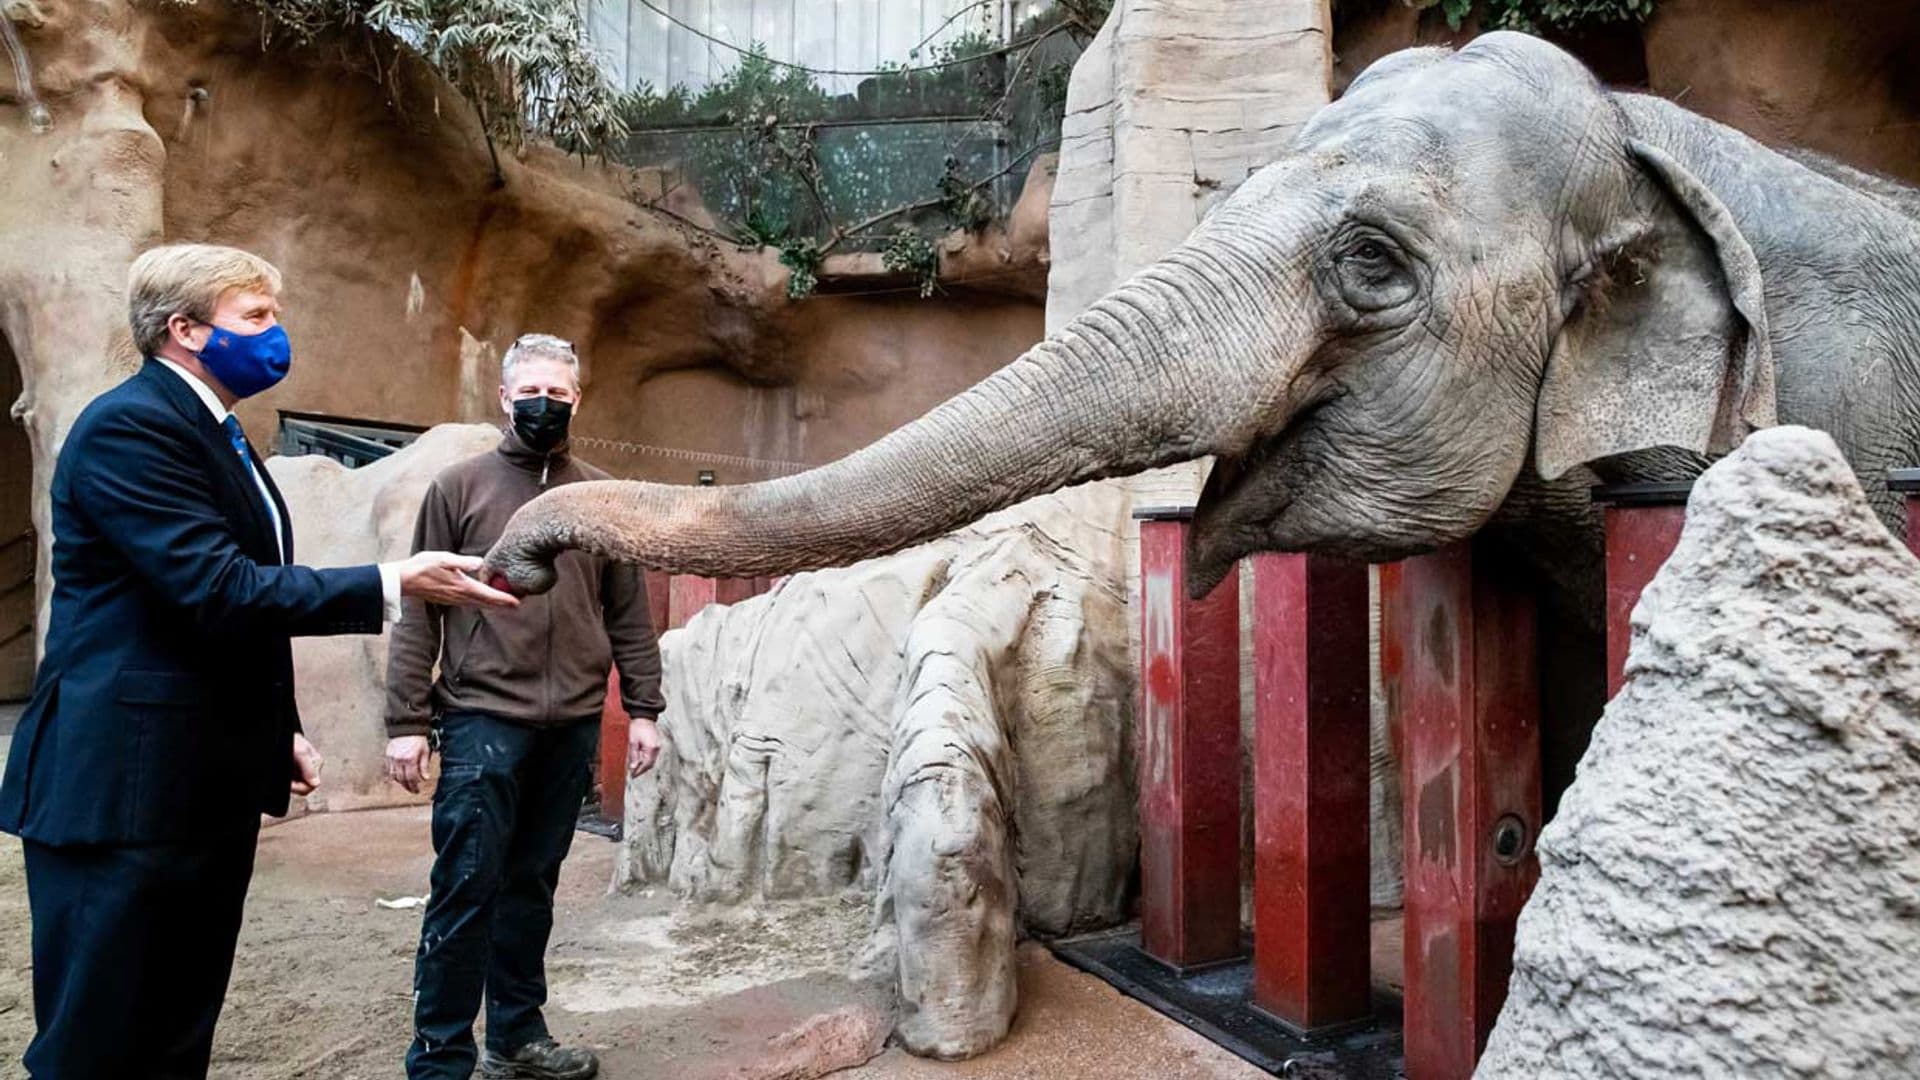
[18, 551]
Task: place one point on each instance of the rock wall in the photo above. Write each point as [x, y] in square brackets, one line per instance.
[1729, 888]
[1831, 76]
[408, 268]
[81, 198]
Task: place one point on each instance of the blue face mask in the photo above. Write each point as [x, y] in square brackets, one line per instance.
[247, 363]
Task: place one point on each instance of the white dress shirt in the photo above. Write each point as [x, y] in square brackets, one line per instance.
[389, 572]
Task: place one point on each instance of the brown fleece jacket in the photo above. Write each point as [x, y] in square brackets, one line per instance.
[544, 663]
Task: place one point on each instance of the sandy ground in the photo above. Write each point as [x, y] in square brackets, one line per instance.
[322, 982]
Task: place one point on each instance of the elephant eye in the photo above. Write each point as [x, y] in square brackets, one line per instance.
[1371, 274]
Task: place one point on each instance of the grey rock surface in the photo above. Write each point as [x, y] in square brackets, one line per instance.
[1732, 884]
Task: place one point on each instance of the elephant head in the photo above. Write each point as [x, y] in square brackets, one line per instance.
[1470, 258]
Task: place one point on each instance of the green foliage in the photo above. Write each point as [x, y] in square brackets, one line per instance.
[643, 107]
[909, 252]
[758, 87]
[524, 65]
[963, 203]
[1534, 16]
[1052, 85]
[760, 229]
[801, 257]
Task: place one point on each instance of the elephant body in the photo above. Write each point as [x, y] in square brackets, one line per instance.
[1839, 257]
[1477, 282]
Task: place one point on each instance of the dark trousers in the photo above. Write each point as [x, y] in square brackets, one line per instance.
[503, 819]
[132, 947]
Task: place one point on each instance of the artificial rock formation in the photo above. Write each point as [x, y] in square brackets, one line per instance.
[351, 517]
[946, 729]
[1732, 884]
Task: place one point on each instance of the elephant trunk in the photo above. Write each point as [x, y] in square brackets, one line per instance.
[1177, 363]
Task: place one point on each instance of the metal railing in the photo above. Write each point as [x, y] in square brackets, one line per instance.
[352, 443]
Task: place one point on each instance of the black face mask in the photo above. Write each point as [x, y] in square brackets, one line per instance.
[541, 422]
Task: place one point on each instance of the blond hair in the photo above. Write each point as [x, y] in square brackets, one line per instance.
[188, 279]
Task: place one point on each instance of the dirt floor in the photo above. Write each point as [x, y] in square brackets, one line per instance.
[322, 981]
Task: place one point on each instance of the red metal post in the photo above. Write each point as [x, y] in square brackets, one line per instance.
[1906, 482]
[613, 752]
[659, 594]
[613, 718]
[687, 594]
[1310, 889]
[1643, 524]
[1189, 755]
[1458, 658]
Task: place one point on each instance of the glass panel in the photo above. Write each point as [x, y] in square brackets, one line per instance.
[814, 28]
[773, 27]
[686, 53]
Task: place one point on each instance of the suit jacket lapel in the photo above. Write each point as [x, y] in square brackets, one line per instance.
[239, 496]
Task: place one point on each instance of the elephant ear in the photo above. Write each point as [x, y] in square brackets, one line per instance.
[1667, 342]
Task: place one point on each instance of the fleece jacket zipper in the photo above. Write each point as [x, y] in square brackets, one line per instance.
[546, 680]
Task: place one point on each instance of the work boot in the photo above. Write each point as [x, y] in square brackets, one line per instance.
[541, 1059]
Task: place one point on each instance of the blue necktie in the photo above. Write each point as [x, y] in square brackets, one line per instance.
[239, 441]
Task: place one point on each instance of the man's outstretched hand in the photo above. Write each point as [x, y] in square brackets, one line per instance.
[446, 579]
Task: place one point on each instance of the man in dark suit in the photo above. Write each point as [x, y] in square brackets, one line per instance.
[162, 723]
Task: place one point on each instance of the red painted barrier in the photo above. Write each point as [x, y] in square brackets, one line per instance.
[1311, 905]
[612, 769]
[659, 594]
[1458, 659]
[1189, 758]
[1643, 523]
[613, 752]
[687, 594]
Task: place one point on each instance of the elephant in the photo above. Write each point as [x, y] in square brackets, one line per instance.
[1476, 282]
